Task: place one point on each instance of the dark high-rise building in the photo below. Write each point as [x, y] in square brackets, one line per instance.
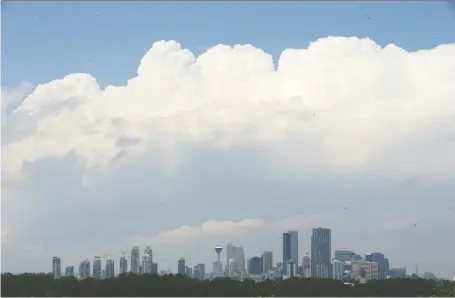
[199, 271]
[84, 269]
[154, 268]
[267, 261]
[321, 253]
[383, 263]
[69, 271]
[123, 265]
[254, 265]
[286, 250]
[110, 271]
[290, 247]
[181, 266]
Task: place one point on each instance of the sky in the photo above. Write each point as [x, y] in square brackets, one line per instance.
[188, 125]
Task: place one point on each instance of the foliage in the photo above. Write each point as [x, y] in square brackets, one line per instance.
[176, 285]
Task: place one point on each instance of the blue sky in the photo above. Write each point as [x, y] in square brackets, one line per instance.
[45, 41]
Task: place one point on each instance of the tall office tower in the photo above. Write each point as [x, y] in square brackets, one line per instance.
[69, 271]
[229, 252]
[290, 248]
[154, 268]
[135, 259]
[188, 271]
[149, 253]
[321, 261]
[291, 269]
[202, 270]
[96, 268]
[286, 250]
[337, 269]
[56, 267]
[254, 266]
[123, 265]
[294, 235]
[144, 264]
[239, 256]
[110, 271]
[344, 254]
[181, 266]
[232, 268]
[267, 261]
[199, 271]
[84, 269]
[306, 264]
[383, 263]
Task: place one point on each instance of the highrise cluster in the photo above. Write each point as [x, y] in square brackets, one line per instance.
[344, 265]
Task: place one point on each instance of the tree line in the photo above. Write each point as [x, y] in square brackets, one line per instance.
[128, 285]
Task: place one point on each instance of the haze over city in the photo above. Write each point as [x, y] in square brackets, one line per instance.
[184, 126]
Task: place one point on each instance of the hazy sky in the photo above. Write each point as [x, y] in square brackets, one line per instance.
[184, 126]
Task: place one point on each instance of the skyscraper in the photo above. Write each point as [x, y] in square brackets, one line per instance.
[337, 269]
[148, 252]
[239, 256]
[321, 261]
[267, 261]
[383, 263]
[84, 269]
[294, 235]
[306, 264]
[286, 250]
[123, 265]
[69, 271]
[110, 269]
[135, 260]
[154, 268]
[144, 265]
[254, 266]
[56, 267]
[97, 268]
[181, 266]
[290, 248]
[229, 252]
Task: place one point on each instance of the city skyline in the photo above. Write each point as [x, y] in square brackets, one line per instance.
[323, 262]
[188, 125]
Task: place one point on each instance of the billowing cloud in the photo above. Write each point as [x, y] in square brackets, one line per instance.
[344, 134]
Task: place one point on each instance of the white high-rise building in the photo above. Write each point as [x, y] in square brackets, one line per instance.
[135, 260]
[239, 256]
[291, 269]
[56, 267]
[232, 268]
[337, 269]
[364, 270]
[148, 265]
[97, 268]
[229, 252]
[267, 261]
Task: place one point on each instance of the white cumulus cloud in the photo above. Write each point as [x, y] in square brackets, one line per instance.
[331, 132]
